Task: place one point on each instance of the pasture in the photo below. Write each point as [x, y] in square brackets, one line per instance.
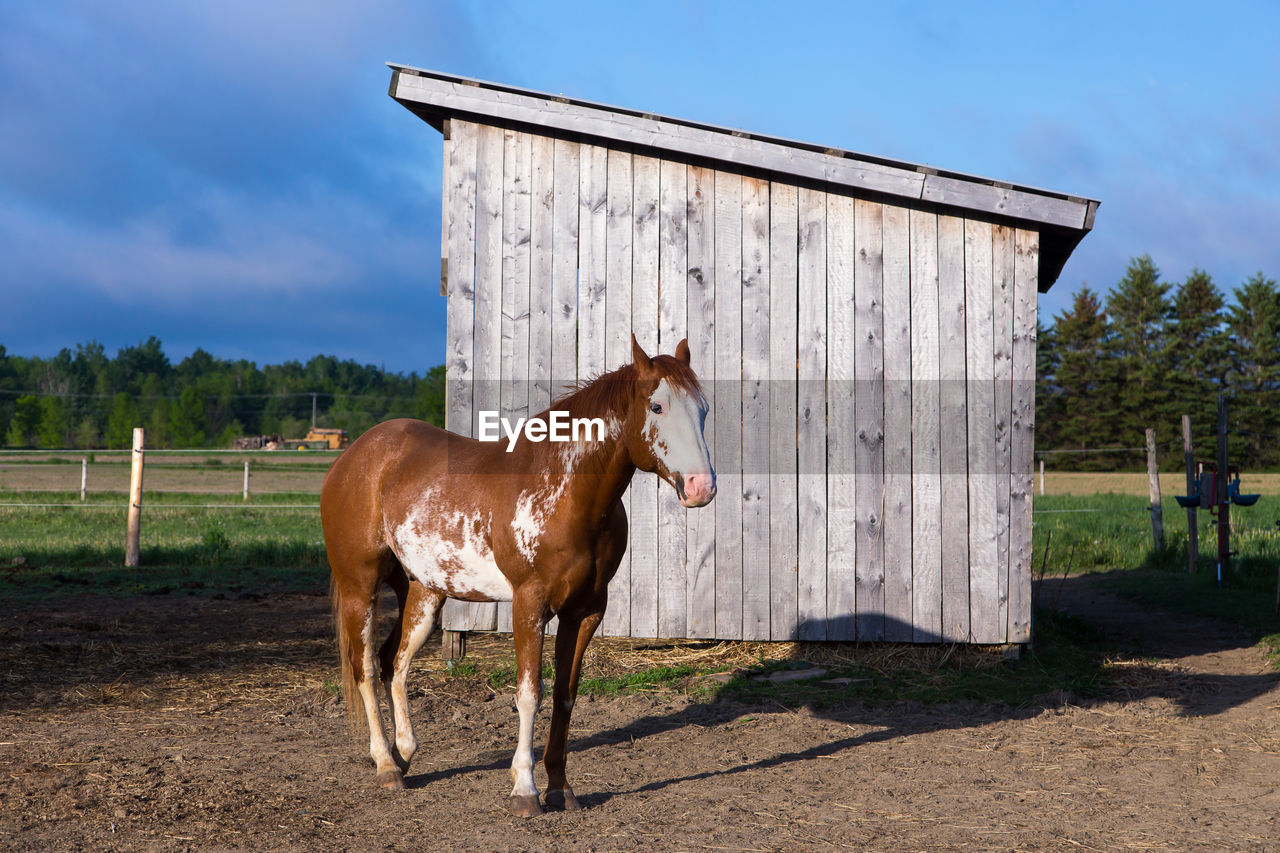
[191, 704]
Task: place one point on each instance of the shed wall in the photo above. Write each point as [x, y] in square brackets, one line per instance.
[870, 369]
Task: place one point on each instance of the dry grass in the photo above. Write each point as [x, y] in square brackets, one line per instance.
[1135, 483]
[163, 474]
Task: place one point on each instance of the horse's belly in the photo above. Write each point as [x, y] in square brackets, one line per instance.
[462, 568]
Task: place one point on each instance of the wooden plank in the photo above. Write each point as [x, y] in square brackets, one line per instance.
[811, 412]
[444, 213]
[681, 138]
[868, 405]
[983, 197]
[644, 324]
[700, 536]
[564, 269]
[755, 409]
[984, 589]
[592, 222]
[460, 207]
[542, 231]
[460, 203]
[842, 480]
[1022, 441]
[516, 174]
[926, 403]
[783, 518]
[483, 616]
[728, 415]
[673, 322]
[953, 421]
[517, 168]
[542, 239]
[1002, 257]
[618, 225]
[896, 235]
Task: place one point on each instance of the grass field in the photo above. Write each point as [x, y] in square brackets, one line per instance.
[266, 544]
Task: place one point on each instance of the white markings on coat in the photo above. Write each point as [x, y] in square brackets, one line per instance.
[448, 550]
[536, 505]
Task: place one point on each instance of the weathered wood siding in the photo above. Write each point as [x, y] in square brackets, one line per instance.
[870, 369]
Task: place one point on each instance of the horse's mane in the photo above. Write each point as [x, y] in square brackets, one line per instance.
[610, 392]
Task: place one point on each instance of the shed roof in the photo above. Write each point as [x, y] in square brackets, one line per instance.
[1061, 219]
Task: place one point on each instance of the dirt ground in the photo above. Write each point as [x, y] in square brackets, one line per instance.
[177, 722]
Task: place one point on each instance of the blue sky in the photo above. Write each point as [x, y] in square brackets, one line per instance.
[232, 175]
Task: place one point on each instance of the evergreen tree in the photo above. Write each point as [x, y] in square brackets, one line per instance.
[1140, 313]
[159, 432]
[1085, 376]
[1254, 325]
[1198, 357]
[86, 434]
[124, 417]
[26, 417]
[187, 420]
[54, 423]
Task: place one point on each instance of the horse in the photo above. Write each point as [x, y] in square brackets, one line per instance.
[539, 523]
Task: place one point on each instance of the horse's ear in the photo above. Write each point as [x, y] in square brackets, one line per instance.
[638, 356]
[682, 350]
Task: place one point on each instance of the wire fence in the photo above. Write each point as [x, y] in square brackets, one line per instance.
[95, 475]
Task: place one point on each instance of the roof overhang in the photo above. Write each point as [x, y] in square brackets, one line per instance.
[1061, 219]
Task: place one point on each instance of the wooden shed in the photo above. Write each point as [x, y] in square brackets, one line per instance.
[865, 328]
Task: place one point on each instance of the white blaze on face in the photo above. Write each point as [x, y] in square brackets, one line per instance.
[675, 434]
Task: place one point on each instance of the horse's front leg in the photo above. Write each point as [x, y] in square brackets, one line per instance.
[572, 638]
[527, 623]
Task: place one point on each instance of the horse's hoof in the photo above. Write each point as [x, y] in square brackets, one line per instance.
[525, 805]
[392, 780]
[563, 800]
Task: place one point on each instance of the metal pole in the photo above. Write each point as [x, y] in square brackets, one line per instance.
[246, 479]
[313, 409]
[84, 477]
[1193, 529]
[135, 498]
[1042, 477]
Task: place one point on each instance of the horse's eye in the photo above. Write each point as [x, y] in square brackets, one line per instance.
[656, 408]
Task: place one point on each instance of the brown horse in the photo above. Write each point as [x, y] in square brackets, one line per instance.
[537, 523]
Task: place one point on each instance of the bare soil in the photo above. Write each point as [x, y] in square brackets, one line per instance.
[176, 722]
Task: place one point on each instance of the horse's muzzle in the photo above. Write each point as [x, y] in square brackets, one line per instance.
[697, 489]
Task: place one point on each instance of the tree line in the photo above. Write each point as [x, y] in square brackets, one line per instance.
[83, 398]
[1151, 351]
[1108, 368]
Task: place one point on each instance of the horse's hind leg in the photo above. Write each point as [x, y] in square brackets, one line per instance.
[419, 608]
[356, 610]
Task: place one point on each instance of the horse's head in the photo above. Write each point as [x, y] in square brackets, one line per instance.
[664, 426]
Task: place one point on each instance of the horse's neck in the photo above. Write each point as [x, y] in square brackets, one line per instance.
[599, 471]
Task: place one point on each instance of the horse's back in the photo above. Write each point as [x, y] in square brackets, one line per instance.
[351, 497]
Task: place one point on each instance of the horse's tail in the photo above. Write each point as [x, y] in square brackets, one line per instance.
[356, 716]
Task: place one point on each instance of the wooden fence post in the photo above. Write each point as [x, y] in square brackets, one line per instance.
[246, 479]
[1042, 476]
[1153, 488]
[135, 498]
[84, 477]
[1193, 484]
